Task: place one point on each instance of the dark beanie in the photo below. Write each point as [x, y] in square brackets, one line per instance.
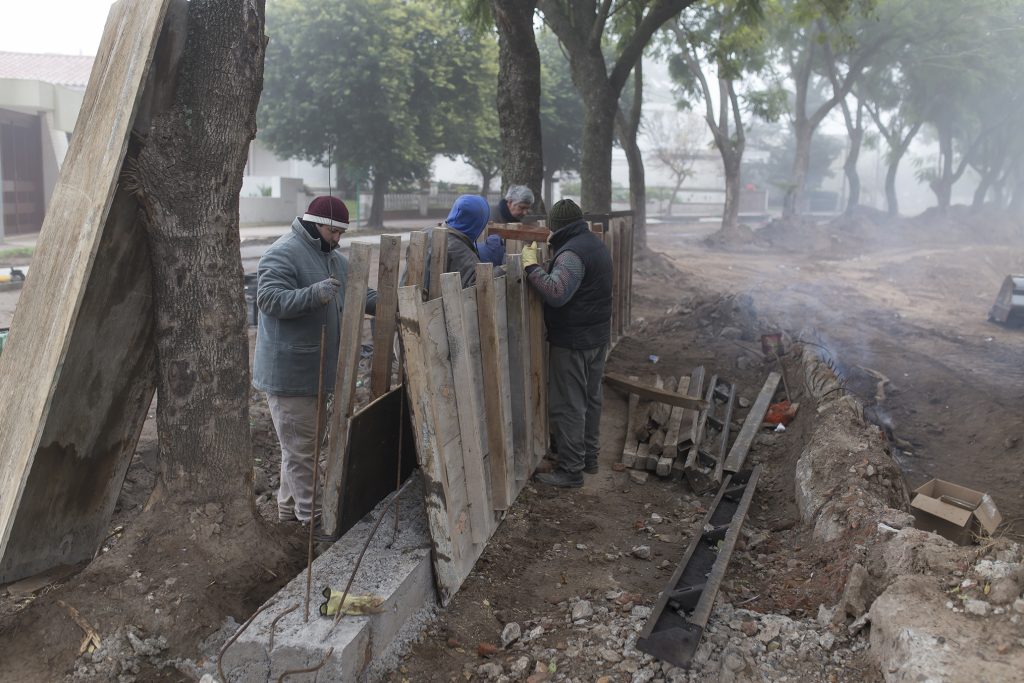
[327, 211]
[564, 212]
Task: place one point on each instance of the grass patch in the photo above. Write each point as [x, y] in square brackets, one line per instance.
[16, 252]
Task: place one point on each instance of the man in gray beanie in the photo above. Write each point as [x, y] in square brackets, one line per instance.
[577, 295]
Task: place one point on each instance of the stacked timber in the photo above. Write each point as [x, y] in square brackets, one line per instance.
[682, 428]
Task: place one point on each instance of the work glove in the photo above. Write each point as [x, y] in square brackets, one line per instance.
[326, 290]
[355, 605]
[531, 256]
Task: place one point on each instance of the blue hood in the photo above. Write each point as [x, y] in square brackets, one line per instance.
[469, 215]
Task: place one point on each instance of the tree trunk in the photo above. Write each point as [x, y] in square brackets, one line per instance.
[942, 184]
[522, 161]
[485, 183]
[598, 134]
[189, 176]
[892, 202]
[801, 162]
[981, 192]
[628, 128]
[732, 163]
[850, 169]
[549, 179]
[380, 187]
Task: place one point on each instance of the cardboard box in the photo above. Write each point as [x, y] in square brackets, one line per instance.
[954, 512]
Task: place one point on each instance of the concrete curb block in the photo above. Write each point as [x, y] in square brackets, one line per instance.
[402, 574]
[846, 479]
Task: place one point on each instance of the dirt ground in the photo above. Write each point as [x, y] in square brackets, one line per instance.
[908, 305]
[910, 308]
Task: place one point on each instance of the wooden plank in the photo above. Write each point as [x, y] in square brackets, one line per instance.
[513, 247]
[629, 448]
[669, 453]
[367, 480]
[472, 343]
[349, 345]
[505, 394]
[613, 251]
[531, 233]
[645, 418]
[625, 385]
[538, 374]
[416, 260]
[468, 408]
[697, 474]
[688, 386]
[752, 422]
[495, 386]
[386, 315]
[519, 379]
[438, 261]
[78, 371]
[438, 498]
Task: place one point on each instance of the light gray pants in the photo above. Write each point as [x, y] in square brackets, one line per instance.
[574, 404]
[295, 421]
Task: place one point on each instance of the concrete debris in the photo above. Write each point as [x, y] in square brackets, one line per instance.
[855, 599]
[642, 552]
[510, 634]
[582, 610]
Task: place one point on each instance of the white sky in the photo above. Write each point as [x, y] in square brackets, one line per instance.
[71, 27]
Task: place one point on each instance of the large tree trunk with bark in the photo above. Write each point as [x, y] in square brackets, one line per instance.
[801, 162]
[380, 188]
[850, 169]
[942, 185]
[189, 175]
[628, 128]
[598, 135]
[732, 162]
[522, 161]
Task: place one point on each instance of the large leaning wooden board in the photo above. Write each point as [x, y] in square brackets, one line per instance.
[77, 373]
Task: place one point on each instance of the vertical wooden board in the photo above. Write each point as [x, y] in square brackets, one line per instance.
[349, 345]
[446, 427]
[83, 320]
[518, 367]
[386, 315]
[513, 247]
[467, 404]
[613, 247]
[439, 496]
[538, 374]
[505, 378]
[627, 238]
[416, 260]
[492, 383]
[675, 420]
[438, 261]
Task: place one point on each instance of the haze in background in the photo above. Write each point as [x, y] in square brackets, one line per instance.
[69, 27]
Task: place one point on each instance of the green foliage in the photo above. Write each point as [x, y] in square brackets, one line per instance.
[384, 84]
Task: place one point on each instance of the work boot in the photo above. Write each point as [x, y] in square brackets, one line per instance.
[561, 479]
[591, 466]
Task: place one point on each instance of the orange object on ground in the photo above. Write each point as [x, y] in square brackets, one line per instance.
[782, 413]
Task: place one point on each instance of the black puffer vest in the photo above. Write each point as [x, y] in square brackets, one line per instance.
[584, 322]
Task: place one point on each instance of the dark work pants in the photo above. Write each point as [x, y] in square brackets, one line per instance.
[574, 404]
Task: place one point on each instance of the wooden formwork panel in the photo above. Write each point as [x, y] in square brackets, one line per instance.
[78, 372]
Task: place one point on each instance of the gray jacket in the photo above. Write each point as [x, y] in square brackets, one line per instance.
[288, 336]
[463, 257]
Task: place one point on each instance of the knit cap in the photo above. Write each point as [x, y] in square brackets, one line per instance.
[564, 212]
[327, 211]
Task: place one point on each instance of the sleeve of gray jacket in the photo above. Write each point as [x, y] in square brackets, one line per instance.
[277, 292]
[462, 259]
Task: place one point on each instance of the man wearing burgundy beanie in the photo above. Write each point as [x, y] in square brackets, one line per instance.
[301, 286]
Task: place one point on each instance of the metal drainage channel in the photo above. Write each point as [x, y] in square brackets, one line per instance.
[681, 613]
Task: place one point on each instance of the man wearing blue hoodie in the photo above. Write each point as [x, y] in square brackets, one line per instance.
[464, 225]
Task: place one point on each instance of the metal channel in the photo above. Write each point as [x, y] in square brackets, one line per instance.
[677, 622]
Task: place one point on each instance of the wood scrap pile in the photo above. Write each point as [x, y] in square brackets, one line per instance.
[681, 428]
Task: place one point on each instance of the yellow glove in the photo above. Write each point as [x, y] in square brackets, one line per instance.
[531, 256]
[354, 604]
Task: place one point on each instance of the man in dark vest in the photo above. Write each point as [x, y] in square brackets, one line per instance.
[577, 295]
